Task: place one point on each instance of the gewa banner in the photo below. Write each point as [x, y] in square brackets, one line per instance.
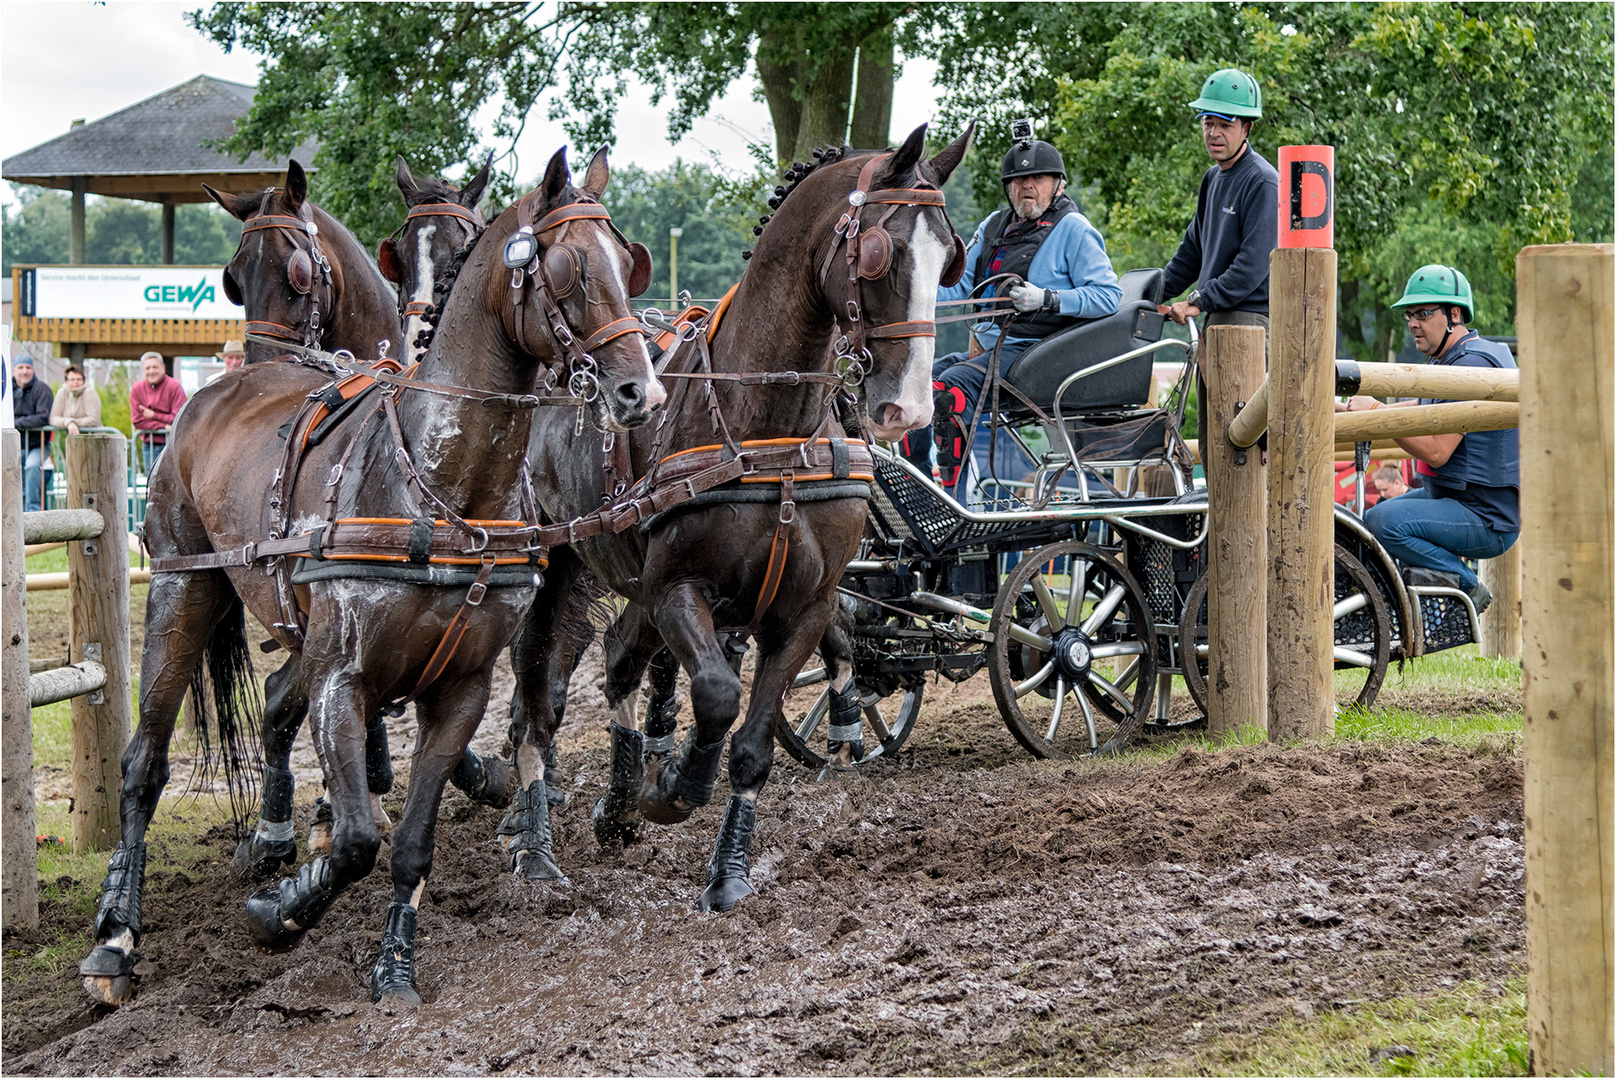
[126, 292]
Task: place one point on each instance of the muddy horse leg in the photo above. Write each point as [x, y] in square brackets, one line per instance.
[629, 646]
[279, 914]
[673, 789]
[273, 842]
[186, 614]
[447, 718]
[781, 653]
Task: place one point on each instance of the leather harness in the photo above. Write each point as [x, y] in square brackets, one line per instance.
[320, 270]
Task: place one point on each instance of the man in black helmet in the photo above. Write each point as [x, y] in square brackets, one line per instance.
[1042, 238]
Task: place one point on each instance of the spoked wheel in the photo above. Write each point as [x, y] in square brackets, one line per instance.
[1073, 664]
[1363, 638]
[888, 719]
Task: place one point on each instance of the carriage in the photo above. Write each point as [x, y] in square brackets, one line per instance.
[1077, 575]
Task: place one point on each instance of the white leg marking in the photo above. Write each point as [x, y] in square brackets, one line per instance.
[626, 713]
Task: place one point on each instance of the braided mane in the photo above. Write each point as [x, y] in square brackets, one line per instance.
[793, 177]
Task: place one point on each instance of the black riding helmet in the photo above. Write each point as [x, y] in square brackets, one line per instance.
[1032, 158]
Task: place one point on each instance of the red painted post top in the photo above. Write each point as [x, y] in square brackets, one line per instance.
[1307, 196]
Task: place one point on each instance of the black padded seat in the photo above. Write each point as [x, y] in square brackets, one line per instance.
[1040, 370]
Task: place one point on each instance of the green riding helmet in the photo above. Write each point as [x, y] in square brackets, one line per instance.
[1437, 284]
[1230, 92]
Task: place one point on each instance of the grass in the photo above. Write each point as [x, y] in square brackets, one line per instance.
[1472, 1030]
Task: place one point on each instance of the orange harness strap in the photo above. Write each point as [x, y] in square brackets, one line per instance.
[778, 548]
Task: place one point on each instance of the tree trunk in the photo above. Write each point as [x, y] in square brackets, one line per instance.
[873, 93]
[825, 105]
[779, 58]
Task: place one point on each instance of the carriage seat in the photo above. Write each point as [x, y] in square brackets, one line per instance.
[1040, 370]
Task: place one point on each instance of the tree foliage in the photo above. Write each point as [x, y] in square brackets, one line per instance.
[116, 231]
[715, 218]
[1462, 131]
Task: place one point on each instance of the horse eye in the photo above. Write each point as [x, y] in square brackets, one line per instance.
[300, 271]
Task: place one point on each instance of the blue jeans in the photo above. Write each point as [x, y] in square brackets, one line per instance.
[33, 478]
[952, 370]
[1435, 533]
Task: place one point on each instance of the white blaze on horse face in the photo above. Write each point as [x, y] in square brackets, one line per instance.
[608, 255]
[424, 281]
[913, 406]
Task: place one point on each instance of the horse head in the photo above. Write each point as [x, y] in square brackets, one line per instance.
[563, 295]
[888, 273]
[441, 224]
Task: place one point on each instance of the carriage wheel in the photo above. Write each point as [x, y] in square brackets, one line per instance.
[888, 719]
[1069, 624]
[1363, 639]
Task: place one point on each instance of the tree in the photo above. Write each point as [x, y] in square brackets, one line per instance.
[1462, 131]
[715, 220]
[36, 231]
[116, 231]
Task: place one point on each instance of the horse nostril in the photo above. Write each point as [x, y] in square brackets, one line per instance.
[631, 396]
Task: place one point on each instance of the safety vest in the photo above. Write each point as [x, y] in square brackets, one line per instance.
[1489, 458]
[1019, 252]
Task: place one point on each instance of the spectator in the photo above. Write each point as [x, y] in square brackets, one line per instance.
[78, 405]
[1389, 481]
[233, 355]
[154, 402]
[31, 406]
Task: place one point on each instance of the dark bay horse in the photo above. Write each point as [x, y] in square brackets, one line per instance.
[451, 448]
[755, 559]
[281, 274]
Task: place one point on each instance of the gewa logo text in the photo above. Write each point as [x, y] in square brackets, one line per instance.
[180, 294]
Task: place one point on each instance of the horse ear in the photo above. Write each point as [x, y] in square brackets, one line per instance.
[472, 193]
[905, 159]
[556, 177]
[407, 185]
[945, 161]
[639, 268]
[240, 206]
[597, 175]
[297, 183]
[387, 260]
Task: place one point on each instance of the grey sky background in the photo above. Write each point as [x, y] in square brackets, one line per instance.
[62, 60]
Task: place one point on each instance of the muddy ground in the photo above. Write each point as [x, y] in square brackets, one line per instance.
[959, 909]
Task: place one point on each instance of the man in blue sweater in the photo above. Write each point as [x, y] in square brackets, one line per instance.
[1469, 508]
[1226, 246]
[1042, 238]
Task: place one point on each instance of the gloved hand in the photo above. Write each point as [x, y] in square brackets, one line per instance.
[1025, 297]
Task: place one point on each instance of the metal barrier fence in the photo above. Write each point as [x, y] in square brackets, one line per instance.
[54, 482]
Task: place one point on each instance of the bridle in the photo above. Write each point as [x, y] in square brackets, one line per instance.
[387, 251]
[308, 272]
[555, 273]
[868, 255]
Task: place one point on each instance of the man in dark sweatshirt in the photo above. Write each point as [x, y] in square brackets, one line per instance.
[1225, 250]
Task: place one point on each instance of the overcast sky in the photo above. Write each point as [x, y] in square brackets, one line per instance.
[63, 60]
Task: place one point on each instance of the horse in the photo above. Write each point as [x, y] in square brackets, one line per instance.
[756, 558]
[449, 452]
[441, 220]
[266, 277]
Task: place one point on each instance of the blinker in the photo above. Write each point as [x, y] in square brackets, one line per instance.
[521, 249]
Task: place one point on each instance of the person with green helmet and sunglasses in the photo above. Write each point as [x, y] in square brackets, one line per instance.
[1469, 508]
[1226, 246]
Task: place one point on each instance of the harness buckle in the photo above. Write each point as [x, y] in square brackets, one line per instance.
[853, 310]
[480, 539]
[788, 511]
[474, 595]
[516, 278]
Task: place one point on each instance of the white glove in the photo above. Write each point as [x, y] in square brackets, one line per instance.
[1025, 297]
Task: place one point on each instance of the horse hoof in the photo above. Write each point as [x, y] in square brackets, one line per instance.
[265, 922]
[665, 810]
[613, 830]
[114, 991]
[537, 866]
[724, 893]
[256, 858]
[392, 1000]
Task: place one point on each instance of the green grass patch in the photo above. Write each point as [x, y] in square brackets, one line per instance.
[1469, 1031]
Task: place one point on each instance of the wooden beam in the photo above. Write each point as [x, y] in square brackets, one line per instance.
[1427, 381]
[19, 864]
[1237, 548]
[1565, 327]
[1302, 291]
[1502, 622]
[1253, 420]
[1449, 418]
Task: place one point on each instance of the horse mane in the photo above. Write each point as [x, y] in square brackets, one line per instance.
[794, 176]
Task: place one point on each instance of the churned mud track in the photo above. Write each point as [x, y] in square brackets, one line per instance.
[958, 909]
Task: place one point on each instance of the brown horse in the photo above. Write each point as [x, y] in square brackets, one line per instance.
[374, 633]
[757, 559]
[440, 222]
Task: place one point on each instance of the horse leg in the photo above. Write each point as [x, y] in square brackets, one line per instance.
[845, 735]
[339, 701]
[447, 719]
[183, 611]
[273, 843]
[752, 754]
[378, 779]
[673, 789]
[629, 645]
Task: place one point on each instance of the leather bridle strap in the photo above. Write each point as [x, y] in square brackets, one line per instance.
[778, 548]
[454, 631]
[445, 209]
[611, 331]
[303, 226]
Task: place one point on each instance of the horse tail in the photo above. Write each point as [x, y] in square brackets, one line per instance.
[591, 607]
[227, 734]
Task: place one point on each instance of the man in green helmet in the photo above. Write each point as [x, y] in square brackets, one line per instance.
[1226, 246]
[1469, 507]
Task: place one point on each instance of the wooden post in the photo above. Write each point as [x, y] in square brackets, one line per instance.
[1302, 428]
[1502, 622]
[167, 244]
[1564, 326]
[98, 603]
[19, 887]
[1237, 555]
[75, 237]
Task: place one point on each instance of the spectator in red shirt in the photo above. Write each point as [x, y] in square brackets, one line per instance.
[154, 402]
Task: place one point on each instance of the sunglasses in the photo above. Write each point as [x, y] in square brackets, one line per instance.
[1420, 314]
